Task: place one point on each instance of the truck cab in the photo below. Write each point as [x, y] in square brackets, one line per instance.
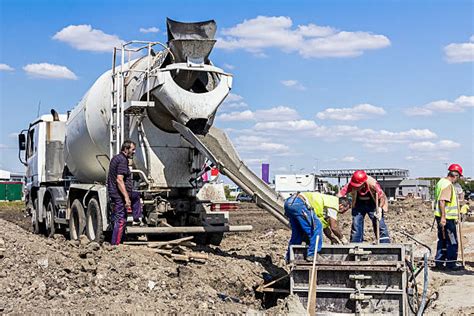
[41, 151]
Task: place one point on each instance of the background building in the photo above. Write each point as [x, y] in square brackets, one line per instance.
[11, 186]
[414, 188]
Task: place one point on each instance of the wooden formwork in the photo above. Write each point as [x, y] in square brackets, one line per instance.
[354, 279]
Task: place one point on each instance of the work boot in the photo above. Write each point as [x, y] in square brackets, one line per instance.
[438, 268]
[310, 258]
[455, 268]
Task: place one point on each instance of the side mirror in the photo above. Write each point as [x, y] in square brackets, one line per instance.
[21, 142]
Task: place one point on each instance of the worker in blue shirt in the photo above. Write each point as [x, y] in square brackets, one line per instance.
[119, 186]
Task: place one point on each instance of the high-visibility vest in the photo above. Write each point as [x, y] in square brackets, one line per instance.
[451, 207]
[320, 203]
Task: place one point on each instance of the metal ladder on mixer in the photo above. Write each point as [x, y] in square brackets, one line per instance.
[119, 105]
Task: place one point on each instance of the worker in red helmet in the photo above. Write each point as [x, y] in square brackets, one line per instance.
[365, 190]
[446, 214]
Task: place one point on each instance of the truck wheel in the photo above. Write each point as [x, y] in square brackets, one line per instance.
[76, 220]
[215, 238]
[34, 217]
[94, 225]
[49, 220]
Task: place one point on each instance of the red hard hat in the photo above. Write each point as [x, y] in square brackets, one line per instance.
[358, 178]
[456, 167]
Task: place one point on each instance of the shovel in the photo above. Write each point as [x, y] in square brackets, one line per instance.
[460, 238]
[377, 219]
[311, 308]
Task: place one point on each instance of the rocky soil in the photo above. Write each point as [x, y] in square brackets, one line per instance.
[40, 275]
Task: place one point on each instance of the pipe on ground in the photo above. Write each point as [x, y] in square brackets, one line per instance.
[188, 229]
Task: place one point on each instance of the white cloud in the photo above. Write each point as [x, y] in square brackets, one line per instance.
[279, 113]
[313, 30]
[293, 84]
[430, 157]
[259, 144]
[310, 41]
[465, 101]
[237, 116]
[444, 106]
[5, 67]
[358, 112]
[234, 98]
[343, 44]
[460, 52]
[354, 133]
[229, 66]
[349, 159]
[49, 71]
[384, 136]
[294, 125]
[84, 37]
[255, 161]
[376, 148]
[430, 146]
[233, 101]
[152, 29]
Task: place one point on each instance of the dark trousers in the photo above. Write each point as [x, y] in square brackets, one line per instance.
[447, 247]
[304, 224]
[119, 215]
[358, 216]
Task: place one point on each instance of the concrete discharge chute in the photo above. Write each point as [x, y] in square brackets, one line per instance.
[217, 147]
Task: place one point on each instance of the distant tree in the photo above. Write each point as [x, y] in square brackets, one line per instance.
[227, 192]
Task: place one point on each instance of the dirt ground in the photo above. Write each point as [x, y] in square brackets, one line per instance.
[40, 275]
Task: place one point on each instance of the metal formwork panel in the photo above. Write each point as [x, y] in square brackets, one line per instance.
[353, 279]
[342, 304]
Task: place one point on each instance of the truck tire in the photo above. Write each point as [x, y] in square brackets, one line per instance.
[94, 225]
[208, 238]
[50, 229]
[34, 218]
[215, 238]
[77, 220]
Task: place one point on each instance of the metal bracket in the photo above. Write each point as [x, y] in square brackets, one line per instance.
[360, 297]
[359, 277]
[359, 252]
[135, 107]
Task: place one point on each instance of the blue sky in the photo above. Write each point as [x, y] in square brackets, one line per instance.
[400, 74]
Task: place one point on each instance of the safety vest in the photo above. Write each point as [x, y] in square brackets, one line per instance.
[451, 207]
[320, 203]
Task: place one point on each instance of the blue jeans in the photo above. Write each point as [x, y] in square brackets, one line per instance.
[304, 224]
[358, 216]
[447, 248]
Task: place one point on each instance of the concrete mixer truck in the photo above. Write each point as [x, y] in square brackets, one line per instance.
[164, 98]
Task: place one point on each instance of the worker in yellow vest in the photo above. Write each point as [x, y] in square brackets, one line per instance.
[464, 209]
[446, 214]
[302, 210]
[326, 208]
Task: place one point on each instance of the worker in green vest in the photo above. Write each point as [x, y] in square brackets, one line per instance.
[446, 214]
[326, 208]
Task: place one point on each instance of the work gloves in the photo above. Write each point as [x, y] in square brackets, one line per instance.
[378, 213]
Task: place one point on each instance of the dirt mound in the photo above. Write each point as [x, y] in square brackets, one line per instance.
[61, 276]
